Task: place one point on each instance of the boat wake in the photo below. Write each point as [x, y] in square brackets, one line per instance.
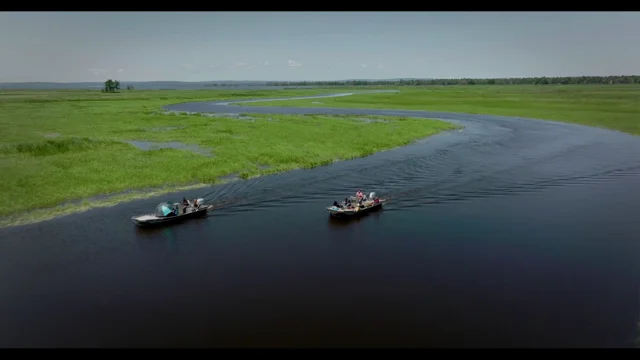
[491, 156]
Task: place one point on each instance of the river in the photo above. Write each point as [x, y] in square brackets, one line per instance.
[508, 233]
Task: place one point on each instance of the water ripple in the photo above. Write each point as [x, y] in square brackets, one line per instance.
[492, 156]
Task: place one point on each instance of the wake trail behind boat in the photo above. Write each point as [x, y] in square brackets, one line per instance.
[493, 156]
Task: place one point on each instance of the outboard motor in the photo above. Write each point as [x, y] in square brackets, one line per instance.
[372, 195]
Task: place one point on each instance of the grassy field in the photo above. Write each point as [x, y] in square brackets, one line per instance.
[60, 146]
[615, 107]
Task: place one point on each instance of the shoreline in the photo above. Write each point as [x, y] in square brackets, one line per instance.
[77, 206]
[99, 201]
[82, 205]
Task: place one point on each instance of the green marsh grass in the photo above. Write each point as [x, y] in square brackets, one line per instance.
[61, 146]
[615, 107]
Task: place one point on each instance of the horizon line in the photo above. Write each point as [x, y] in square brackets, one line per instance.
[362, 79]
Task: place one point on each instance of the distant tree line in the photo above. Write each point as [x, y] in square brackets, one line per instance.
[113, 86]
[217, 85]
[566, 80]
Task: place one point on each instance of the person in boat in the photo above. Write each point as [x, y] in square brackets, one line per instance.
[363, 198]
[376, 201]
[347, 202]
[195, 204]
[173, 212]
[185, 205]
[335, 204]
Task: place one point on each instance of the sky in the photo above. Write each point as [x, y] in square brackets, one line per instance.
[293, 46]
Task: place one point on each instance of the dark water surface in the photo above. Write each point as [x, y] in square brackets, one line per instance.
[509, 233]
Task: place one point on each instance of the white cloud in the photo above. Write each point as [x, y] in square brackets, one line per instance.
[264, 63]
[97, 72]
[293, 63]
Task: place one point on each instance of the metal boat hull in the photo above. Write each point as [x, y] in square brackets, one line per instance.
[151, 220]
[341, 213]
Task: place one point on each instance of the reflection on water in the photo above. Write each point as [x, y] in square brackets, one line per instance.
[167, 230]
[155, 233]
[370, 219]
[157, 238]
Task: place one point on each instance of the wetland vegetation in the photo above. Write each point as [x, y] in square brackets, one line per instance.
[615, 107]
[64, 146]
[61, 150]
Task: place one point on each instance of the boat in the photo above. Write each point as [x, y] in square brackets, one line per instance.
[169, 214]
[343, 211]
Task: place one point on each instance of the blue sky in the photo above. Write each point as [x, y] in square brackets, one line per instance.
[207, 46]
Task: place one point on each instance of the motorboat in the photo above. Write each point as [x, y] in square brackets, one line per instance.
[355, 208]
[168, 213]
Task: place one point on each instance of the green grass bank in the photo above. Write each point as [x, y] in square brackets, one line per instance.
[614, 107]
[64, 146]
